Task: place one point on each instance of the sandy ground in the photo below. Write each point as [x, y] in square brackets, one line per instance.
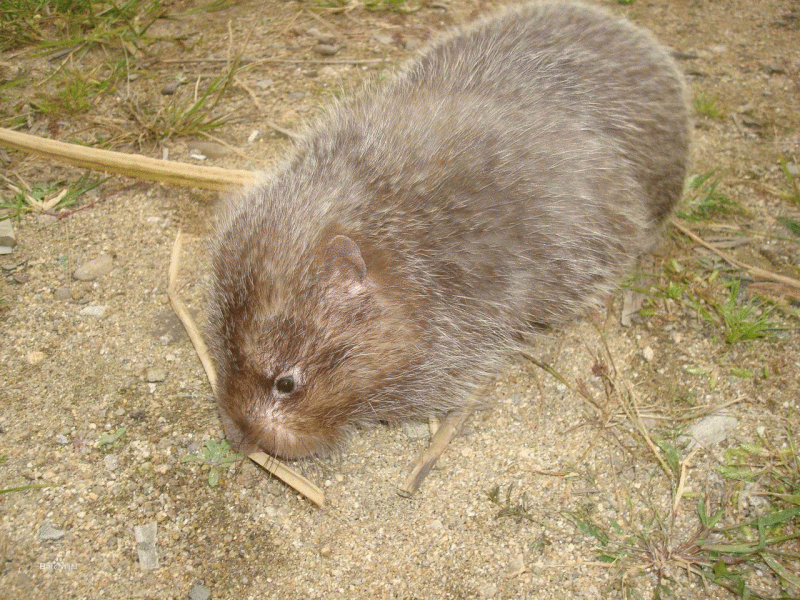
[69, 376]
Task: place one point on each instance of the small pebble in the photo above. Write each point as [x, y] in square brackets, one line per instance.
[170, 88]
[35, 357]
[322, 38]
[94, 269]
[8, 238]
[93, 311]
[9, 71]
[155, 375]
[751, 497]
[146, 536]
[516, 565]
[208, 149]
[111, 462]
[46, 219]
[774, 68]
[62, 440]
[167, 327]
[62, 294]
[648, 353]
[48, 533]
[199, 592]
[325, 49]
[710, 430]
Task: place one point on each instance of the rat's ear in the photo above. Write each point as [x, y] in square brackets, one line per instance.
[344, 265]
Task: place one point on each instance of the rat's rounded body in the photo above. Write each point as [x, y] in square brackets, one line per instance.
[504, 181]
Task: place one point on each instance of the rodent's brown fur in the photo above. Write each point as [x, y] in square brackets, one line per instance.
[503, 181]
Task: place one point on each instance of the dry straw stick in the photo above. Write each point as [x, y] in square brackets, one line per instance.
[131, 165]
[753, 270]
[440, 440]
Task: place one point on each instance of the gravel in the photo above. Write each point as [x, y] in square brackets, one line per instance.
[496, 516]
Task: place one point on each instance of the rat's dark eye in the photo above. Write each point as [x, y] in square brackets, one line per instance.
[285, 385]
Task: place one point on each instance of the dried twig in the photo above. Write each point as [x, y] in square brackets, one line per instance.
[130, 165]
[289, 476]
[188, 323]
[756, 271]
[738, 125]
[682, 480]
[287, 61]
[329, 61]
[632, 410]
[446, 431]
[251, 93]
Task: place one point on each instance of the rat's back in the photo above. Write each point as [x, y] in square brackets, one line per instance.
[533, 154]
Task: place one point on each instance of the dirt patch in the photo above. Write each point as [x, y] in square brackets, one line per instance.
[510, 508]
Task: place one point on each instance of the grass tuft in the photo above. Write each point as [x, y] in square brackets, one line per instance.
[717, 303]
[518, 509]
[214, 457]
[704, 200]
[741, 322]
[189, 116]
[721, 547]
[46, 196]
[739, 531]
[57, 24]
[707, 106]
[397, 6]
[792, 192]
[790, 224]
